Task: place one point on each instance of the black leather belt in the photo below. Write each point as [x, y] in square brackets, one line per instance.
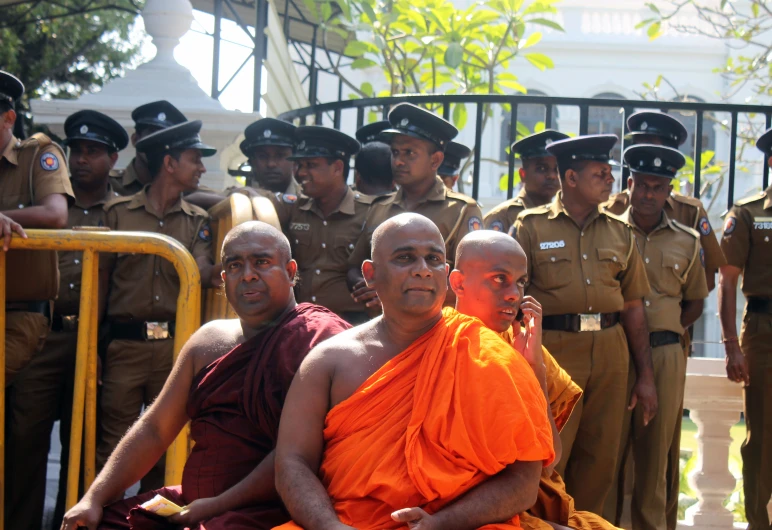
[65, 323]
[757, 304]
[663, 338]
[577, 323]
[43, 307]
[135, 330]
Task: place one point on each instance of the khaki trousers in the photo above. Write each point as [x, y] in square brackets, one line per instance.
[756, 344]
[25, 334]
[40, 395]
[598, 362]
[133, 375]
[674, 460]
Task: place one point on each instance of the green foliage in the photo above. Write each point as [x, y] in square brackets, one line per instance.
[744, 25]
[65, 56]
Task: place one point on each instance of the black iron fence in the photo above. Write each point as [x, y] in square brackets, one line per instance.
[703, 118]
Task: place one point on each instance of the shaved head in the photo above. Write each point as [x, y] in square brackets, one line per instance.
[489, 278]
[258, 227]
[408, 268]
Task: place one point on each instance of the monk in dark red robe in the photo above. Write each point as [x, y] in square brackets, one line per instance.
[230, 380]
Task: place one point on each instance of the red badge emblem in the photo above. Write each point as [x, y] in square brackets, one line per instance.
[729, 225]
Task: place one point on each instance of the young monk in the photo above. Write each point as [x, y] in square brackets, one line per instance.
[421, 417]
[230, 381]
[489, 280]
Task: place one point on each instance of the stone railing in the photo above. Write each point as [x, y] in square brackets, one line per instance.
[715, 404]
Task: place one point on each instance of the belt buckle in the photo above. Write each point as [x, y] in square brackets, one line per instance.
[156, 330]
[589, 322]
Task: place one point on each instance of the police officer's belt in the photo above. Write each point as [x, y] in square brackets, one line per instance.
[64, 323]
[663, 338]
[134, 330]
[583, 322]
[757, 304]
[44, 307]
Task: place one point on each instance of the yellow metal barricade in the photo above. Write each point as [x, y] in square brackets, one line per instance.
[84, 395]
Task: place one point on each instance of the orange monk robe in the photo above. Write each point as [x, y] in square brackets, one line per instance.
[453, 409]
[553, 502]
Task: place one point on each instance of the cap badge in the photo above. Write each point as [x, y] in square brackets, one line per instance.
[162, 116]
[404, 122]
[267, 133]
[83, 129]
[548, 141]
[644, 126]
[657, 162]
[302, 145]
[641, 162]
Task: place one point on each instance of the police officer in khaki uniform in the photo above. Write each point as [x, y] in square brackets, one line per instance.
[34, 193]
[538, 174]
[673, 261]
[418, 139]
[268, 145]
[747, 245]
[449, 170]
[143, 288]
[148, 119]
[372, 170]
[43, 389]
[585, 270]
[324, 223]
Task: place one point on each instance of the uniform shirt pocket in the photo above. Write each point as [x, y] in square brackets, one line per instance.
[673, 276]
[552, 269]
[343, 247]
[611, 263]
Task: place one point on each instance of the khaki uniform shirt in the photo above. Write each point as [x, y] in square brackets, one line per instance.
[144, 287]
[454, 213]
[747, 242]
[70, 266]
[127, 181]
[31, 170]
[503, 216]
[689, 212]
[673, 260]
[572, 269]
[322, 246]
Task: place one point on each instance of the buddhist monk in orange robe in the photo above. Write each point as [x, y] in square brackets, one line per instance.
[422, 418]
[489, 281]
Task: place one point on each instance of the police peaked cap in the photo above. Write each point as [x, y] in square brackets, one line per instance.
[372, 131]
[267, 131]
[595, 147]
[95, 127]
[158, 114]
[653, 123]
[655, 160]
[11, 89]
[183, 136]
[313, 141]
[454, 154]
[414, 121]
[535, 145]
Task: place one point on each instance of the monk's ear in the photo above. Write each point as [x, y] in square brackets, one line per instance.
[368, 272]
[292, 270]
[456, 279]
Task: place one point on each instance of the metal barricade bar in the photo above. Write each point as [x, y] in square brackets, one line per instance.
[92, 243]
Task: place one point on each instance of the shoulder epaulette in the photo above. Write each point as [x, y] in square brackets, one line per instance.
[196, 209]
[544, 208]
[615, 217]
[461, 197]
[117, 200]
[683, 199]
[363, 198]
[689, 230]
[752, 198]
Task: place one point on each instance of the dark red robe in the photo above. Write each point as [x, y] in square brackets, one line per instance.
[235, 404]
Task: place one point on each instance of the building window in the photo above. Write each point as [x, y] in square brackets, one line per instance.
[607, 120]
[529, 115]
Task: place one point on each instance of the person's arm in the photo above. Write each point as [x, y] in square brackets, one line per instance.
[637, 332]
[691, 310]
[301, 442]
[506, 494]
[144, 443]
[736, 365]
[210, 272]
[204, 199]
[50, 213]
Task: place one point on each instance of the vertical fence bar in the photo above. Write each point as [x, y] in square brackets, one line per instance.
[584, 119]
[511, 158]
[261, 49]
[286, 18]
[91, 332]
[88, 293]
[765, 171]
[336, 114]
[2, 390]
[360, 117]
[216, 49]
[698, 154]
[477, 140]
[732, 161]
[312, 72]
[446, 111]
[548, 116]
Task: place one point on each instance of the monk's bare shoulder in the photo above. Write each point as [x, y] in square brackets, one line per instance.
[213, 340]
[342, 348]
